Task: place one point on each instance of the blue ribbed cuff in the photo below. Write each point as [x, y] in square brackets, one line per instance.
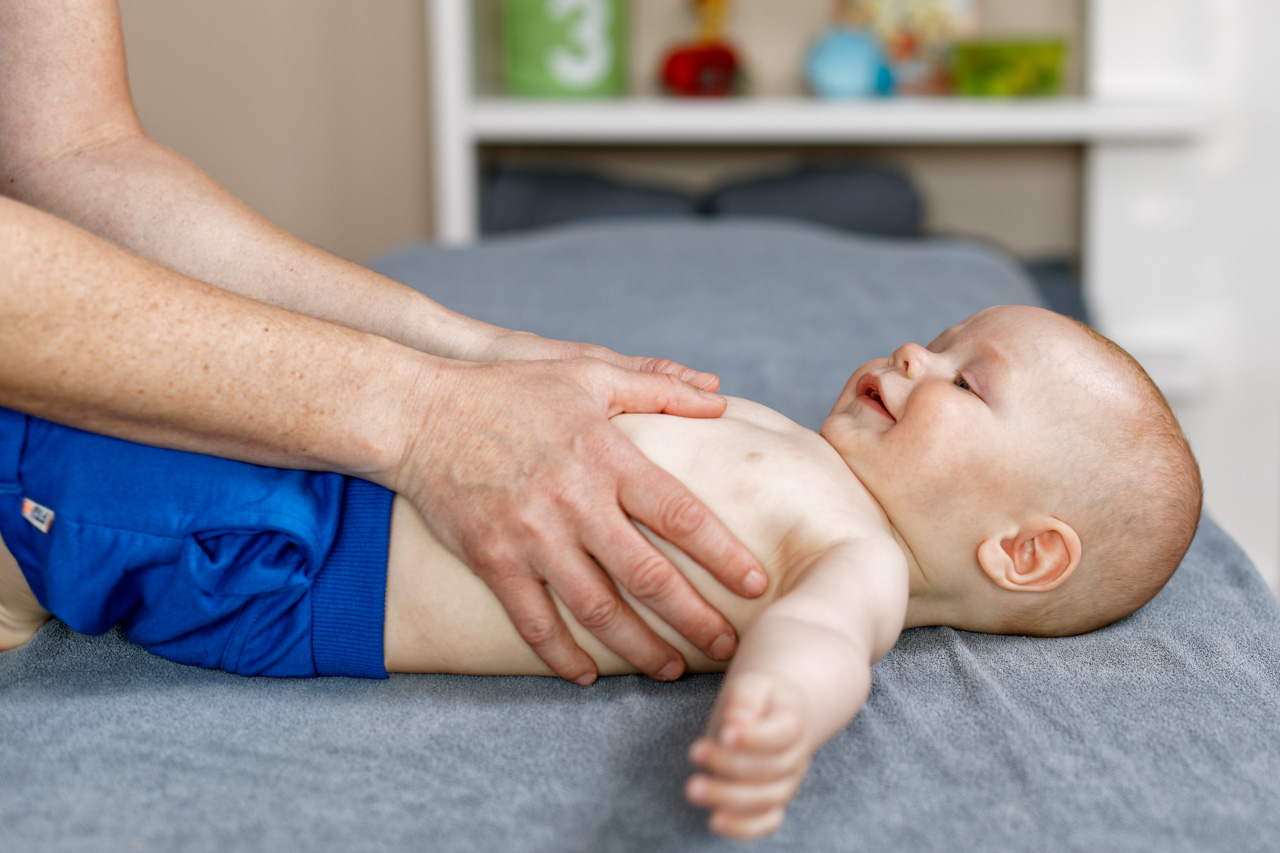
[349, 596]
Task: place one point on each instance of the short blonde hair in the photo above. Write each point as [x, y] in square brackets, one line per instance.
[1136, 506]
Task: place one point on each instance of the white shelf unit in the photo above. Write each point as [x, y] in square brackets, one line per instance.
[464, 120]
[801, 121]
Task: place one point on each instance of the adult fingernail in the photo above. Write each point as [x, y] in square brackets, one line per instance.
[722, 648]
[711, 396]
[697, 378]
[670, 672]
[755, 582]
[585, 680]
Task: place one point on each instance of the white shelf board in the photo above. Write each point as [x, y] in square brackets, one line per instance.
[805, 121]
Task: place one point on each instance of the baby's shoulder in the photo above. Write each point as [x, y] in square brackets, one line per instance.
[760, 415]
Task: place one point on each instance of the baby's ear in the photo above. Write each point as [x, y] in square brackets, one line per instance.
[1038, 558]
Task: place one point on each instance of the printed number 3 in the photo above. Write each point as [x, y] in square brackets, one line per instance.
[592, 55]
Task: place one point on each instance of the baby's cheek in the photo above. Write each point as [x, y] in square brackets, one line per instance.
[937, 454]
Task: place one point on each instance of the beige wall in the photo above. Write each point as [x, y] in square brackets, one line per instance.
[312, 111]
[315, 113]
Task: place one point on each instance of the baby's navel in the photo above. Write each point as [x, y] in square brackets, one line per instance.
[755, 456]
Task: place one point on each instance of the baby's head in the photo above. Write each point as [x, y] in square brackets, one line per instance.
[1034, 473]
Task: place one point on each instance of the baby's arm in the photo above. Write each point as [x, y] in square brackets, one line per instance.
[802, 672]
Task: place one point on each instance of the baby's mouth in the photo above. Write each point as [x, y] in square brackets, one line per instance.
[870, 394]
[874, 397]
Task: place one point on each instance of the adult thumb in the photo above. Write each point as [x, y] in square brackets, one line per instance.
[661, 392]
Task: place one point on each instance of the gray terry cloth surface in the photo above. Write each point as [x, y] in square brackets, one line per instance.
[1155, 734]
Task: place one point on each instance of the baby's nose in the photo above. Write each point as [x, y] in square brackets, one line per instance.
[911, 359]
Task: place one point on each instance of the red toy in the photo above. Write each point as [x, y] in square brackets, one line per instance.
[709, 66]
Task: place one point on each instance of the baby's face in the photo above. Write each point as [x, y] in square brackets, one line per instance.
[979, 419]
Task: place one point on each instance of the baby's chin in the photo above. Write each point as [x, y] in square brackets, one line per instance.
[831, 431]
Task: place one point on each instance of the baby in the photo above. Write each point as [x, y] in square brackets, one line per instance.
[1020, 475]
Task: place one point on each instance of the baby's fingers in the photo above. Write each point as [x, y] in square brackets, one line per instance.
[748, 766]
[747, 826]
[741, 797]
[763, 727]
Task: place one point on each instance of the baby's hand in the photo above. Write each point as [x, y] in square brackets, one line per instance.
[754, 755]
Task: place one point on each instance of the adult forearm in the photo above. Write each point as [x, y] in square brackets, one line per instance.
[98, 338]
[151, 201]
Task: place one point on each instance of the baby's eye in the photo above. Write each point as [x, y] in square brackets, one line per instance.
[962, 384]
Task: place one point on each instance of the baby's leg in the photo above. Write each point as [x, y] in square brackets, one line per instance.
[20, 613]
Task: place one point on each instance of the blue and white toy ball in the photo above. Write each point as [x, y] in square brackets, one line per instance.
[848, 63]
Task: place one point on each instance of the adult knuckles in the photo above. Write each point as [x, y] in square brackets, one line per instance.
[538, 625]
[599, 611]
[540, 631]
[661, 366]
[650, 578]
[602, 373]
[599, 353]
[495, 559]
[680, 516]
[590, 367]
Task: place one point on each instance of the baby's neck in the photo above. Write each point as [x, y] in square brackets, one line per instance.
[938, 594]
[930, 601]
[919, 610]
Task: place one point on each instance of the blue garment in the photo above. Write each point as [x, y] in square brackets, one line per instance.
[205, 561]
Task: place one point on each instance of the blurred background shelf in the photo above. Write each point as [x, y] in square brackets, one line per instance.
[1116, 94]
[804, 121]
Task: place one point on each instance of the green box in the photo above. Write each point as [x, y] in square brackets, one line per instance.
[1008, 69]
[564, 48]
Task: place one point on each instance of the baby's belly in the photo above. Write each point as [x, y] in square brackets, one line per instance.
[441, 617]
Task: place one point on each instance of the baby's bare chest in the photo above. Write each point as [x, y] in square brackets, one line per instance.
[777, 486]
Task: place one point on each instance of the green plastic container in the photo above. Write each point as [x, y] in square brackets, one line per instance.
[564, 48]
[1008, 69]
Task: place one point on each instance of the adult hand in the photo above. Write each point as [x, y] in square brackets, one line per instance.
[524, 346]
[519, 472]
